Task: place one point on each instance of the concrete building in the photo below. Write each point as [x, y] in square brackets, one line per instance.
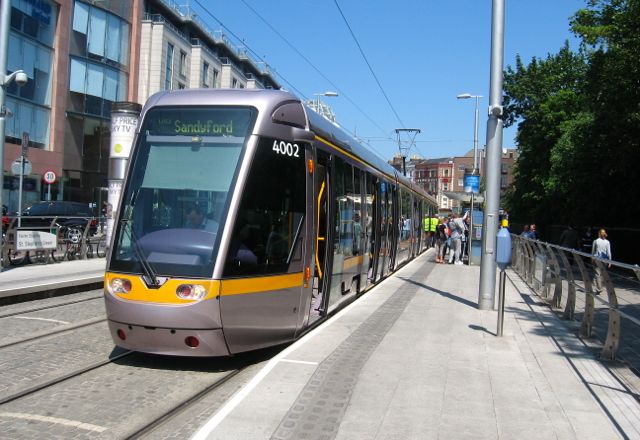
[444, 177]
[81, 57]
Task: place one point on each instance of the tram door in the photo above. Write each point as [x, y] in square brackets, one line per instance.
[321, 217]
[384, 230]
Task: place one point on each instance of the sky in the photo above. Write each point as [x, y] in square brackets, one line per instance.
[423, 53]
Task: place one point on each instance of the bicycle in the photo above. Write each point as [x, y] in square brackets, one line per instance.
[97, 244]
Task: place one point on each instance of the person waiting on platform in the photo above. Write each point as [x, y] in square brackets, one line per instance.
[197, 220]
[601, 248]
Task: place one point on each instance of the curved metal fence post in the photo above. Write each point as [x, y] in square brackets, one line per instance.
[570, 307]
[530, 262]
[613, 329]
[539, 249]
[586, 326]
[557, 280]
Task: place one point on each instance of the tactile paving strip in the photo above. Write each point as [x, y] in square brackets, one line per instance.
[320, 406]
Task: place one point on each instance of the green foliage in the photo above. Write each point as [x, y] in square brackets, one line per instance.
[578, 117]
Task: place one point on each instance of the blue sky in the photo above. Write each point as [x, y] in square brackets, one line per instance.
[423, 52]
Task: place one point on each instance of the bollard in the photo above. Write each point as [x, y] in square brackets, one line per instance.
[503, 258]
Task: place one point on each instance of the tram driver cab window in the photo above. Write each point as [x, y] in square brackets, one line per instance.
[268, 231]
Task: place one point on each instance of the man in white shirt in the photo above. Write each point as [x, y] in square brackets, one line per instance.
[197, 220]
[457, 227]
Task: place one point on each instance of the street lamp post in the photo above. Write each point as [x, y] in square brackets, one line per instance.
[20, 78]
[474, 171]
[318, 105]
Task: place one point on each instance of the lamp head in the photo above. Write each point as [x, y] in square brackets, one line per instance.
[464, 96]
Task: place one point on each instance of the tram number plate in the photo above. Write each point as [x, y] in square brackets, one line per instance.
[286, 148]
[35, 240]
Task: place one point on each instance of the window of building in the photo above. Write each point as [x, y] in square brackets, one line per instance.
[445, 187]
[183, 63]
[215, 78]
[205, 75]
[34, 19]
[168, 75]
[460, 182]
[100, 35]
[36, 62]
[445, 172]
[93, 87]
[461, 168]
[33, 119]
[504, 181]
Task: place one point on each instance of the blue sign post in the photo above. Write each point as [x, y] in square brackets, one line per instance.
[472, 183]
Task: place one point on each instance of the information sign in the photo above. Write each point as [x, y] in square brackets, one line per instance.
[472, 183]
[35, 240]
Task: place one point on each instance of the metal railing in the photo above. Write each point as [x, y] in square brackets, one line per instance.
[52, 239]
[571, 282]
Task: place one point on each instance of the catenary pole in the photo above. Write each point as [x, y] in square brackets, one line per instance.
[486, 295]
[5, 10]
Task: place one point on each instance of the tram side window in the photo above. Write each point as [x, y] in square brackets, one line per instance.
[344, 208]
[267, 236]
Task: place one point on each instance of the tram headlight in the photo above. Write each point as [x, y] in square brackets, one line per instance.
[120, 285]
[192, 292]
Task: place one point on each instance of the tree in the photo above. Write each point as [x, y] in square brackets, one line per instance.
[578, 116]
[543, 98]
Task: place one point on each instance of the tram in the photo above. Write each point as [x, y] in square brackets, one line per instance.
[245, 219]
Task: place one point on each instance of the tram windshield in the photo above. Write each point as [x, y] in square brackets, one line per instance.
[177, 191]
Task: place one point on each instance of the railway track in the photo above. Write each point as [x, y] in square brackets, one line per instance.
[48, 307]
[181, 407]
[51, 382]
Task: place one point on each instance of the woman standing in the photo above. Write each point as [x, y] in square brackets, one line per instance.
[601, 248]
[441, 238]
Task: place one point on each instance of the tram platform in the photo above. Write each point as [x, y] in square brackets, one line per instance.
[50, 278]
[414, 358]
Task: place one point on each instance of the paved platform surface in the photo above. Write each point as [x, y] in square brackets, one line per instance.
[416, 359]
[32, 278]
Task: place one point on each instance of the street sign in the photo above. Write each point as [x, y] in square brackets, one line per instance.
[49, 177]
[472, 183]
[25, 144]
[15, 166]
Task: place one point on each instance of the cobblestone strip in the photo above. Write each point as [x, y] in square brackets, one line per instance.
[320, 406]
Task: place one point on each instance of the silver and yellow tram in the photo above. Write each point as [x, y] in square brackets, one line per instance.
[245, 218]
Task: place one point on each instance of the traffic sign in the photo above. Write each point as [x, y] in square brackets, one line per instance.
[49, 177]
[25, 144]
[16, 164]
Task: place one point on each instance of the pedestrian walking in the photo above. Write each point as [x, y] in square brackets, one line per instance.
[601, 248]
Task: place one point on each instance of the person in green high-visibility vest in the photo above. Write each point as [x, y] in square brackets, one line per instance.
[426, 222]
[433, 224]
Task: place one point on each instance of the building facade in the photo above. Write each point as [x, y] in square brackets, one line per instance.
[80, 58]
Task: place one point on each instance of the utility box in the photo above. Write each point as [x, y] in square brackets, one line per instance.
[475, 237]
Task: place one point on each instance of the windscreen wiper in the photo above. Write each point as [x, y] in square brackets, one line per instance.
[295, 239]
[150, 274]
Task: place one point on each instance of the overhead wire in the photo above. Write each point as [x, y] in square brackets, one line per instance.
[353, 35]
[248, 47]
[255, 54]
[313, 66]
